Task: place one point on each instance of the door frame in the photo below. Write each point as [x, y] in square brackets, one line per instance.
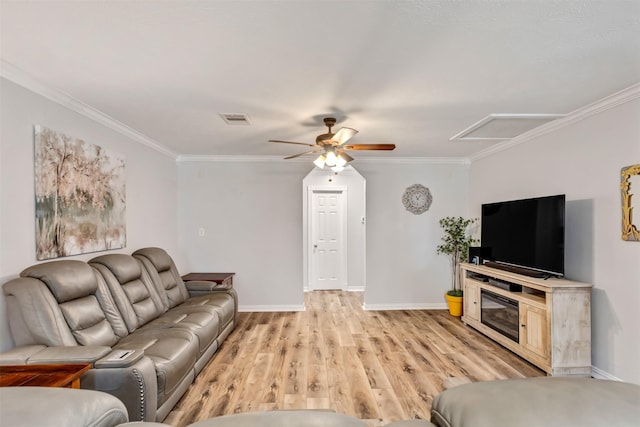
[308, 222]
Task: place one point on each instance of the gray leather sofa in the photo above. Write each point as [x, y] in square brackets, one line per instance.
[146, 333]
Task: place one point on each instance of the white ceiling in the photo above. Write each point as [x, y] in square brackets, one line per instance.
[413, 73]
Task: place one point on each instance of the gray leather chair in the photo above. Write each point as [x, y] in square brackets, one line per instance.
[44, 406]
[545, 401]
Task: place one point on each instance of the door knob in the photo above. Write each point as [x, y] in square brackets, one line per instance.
[315, 246]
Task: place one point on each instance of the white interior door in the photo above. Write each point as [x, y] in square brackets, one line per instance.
[327, 242]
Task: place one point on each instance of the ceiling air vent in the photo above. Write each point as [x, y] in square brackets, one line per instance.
[503, 126]
[235, 119]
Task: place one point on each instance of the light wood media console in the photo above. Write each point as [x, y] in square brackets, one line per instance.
[554, 327]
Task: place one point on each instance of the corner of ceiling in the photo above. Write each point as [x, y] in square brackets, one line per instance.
[21, 78]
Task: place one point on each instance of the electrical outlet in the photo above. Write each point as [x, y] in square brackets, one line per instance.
[201, 232]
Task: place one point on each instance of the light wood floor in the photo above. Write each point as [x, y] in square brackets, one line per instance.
[379, 366]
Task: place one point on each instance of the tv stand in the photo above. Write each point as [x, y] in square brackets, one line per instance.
[554, 317]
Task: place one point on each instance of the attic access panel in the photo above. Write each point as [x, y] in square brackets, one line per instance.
[501, 127]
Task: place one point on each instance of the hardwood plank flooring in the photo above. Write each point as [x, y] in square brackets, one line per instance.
[379, 366]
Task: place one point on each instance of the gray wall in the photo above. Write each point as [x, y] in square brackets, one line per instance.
[403, 269]
[252, 213]
[151, 184]
[583, 161]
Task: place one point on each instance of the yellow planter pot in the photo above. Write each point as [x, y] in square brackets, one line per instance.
[455, 305]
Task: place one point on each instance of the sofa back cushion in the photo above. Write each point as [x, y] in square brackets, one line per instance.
[34, 314]
[164, 274]
[131, 287]
[66, 279]
[74, 288]
[88, 322]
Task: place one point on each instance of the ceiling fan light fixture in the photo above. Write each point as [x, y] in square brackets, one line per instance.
[340, 161]
[331, 158]
[333, 147]
[320, 161]
[337, 168]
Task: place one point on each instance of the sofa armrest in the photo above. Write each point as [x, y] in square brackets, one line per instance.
[198, 287]
[135, 385]
[19, 355]
[119, 359]
[72, 354]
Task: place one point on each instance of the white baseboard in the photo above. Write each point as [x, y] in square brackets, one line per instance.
[405, 306]
[349, 289]
[602, 375]
[265, 308]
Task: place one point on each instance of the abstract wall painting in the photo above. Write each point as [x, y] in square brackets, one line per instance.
[80, 196]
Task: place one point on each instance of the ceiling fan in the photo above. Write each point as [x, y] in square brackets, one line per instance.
[333, 147]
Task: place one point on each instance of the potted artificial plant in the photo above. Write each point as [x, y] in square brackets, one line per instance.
[456, 243]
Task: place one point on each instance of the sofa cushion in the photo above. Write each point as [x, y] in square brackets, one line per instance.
[87, 321]
[131, 287]
[545, 401]
[221, 302]
[172, 351]
[158, 257]
[203, 323]
[124, 267]
[34, 314]
[164, 274]
[67, 279]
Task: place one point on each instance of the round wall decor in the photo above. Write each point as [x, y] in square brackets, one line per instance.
[417, 199]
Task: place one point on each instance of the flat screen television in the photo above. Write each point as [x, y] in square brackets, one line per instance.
[527, 235]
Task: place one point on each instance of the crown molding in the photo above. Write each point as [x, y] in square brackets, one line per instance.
[232, 158]
[385, 160]
[416, 160]
[21, 78]
[622, 97]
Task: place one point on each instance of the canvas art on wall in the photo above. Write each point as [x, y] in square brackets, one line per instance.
[80, 196]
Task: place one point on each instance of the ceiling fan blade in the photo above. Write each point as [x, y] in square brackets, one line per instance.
[291, 142]
[343, 135]
[387, 147]
[345, 156]
[302, 154]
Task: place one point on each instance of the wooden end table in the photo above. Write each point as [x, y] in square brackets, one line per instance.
[224, 280]
[42, 375]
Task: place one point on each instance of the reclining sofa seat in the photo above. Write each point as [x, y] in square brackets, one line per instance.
[72, 312]
[175, 293]
[173, 347]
